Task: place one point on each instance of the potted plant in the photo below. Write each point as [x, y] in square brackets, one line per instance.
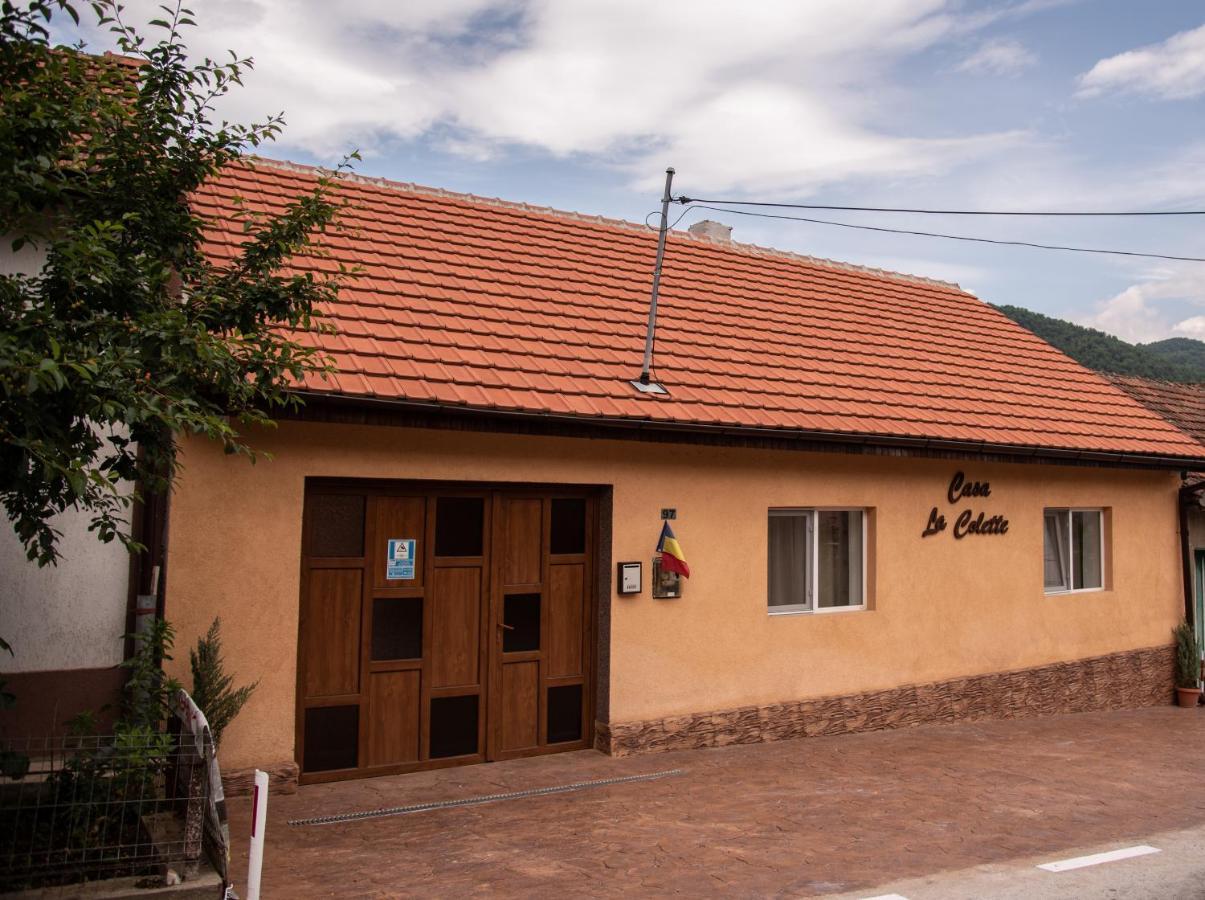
[1188, 665]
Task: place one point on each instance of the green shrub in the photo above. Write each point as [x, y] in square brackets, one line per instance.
[1188, 656]
[149, 693]
[212, 689]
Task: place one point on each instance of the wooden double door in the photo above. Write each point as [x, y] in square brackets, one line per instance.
[443, 625]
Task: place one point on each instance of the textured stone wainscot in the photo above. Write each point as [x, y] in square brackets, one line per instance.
[282, 779]
[1117, 681]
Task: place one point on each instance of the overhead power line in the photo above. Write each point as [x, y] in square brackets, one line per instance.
[948, 237]
[944, 212]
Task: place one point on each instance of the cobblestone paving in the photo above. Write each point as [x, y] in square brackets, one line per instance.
[792, 819]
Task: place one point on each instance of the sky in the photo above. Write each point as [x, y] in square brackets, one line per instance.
[581, 105]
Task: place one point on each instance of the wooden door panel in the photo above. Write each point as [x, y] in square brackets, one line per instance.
[399, 517]
[520, 705]
[331, 632]
[393, 708]
[566, 601]
[519, 532]
[455, 627]
[407, 674]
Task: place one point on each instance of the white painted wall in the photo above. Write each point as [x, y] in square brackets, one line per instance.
[28, 259]
[69, 616]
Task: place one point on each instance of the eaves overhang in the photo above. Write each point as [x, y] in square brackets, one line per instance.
[816, 441]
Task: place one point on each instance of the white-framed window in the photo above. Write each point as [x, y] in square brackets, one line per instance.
[1074, 551]
[817, 560]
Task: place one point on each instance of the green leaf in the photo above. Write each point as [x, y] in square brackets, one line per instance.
[98, 338]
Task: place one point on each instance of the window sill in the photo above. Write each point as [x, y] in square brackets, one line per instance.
[829, 610]
[1077, 591]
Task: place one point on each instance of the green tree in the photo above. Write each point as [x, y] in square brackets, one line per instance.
[128, 336]
[1174, 360]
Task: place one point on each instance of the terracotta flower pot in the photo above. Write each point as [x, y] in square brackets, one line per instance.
[1188, 697]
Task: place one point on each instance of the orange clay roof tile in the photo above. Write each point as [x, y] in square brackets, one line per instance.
[1181, 404]
[494, 305]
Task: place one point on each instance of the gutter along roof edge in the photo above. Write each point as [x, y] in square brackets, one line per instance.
[1052, 454]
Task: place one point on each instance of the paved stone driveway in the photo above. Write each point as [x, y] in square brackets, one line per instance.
[797, 818]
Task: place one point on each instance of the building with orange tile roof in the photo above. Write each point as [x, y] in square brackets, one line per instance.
[1184, 406]
[898, 506]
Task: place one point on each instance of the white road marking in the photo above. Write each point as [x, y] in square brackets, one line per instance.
[1096, 859]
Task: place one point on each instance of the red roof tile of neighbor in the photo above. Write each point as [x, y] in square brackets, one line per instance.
[477, 303]
[1181, 404]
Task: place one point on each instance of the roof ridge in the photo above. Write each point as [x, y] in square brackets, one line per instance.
[571, 215]
[134, 62]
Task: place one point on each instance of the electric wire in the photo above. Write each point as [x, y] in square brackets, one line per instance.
[683, 199]
[949, 237]
[657, 212]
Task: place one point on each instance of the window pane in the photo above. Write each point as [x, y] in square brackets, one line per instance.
[459, 526]
[564, 713]
[332, 735]
[568, 531]
[521, 621]
[397, 628]
[789, 575]
[453, 726]
[1055, 555]
[336, 524]
[1085, 533]
[839, 550]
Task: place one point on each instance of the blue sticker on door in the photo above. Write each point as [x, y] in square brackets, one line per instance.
[399, 559]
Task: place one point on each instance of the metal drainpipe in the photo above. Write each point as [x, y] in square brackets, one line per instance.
[1188, 494]
[146, 596]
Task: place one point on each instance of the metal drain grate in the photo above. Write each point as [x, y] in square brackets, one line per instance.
[474, 801]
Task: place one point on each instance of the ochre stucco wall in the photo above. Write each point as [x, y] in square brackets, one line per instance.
[942, 607]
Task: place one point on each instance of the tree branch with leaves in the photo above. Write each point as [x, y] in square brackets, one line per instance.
[121, 335]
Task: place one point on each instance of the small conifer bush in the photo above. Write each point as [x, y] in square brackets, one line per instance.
[212, 687]
[1188, 656]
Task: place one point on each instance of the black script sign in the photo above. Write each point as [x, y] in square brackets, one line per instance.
[960, 487]
[968, 521]
[937, 522]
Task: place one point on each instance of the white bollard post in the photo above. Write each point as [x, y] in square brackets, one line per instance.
[259, 822]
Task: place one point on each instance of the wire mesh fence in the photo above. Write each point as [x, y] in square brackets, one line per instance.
[84, 808]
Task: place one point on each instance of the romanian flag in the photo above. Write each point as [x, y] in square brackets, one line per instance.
[672, 558]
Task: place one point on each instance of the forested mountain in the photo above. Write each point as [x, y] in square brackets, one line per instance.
[1180, 351]
[1174, 359]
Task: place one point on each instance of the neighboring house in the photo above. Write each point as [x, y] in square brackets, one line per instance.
[1184, 406]
[897, 505]
[65, 622]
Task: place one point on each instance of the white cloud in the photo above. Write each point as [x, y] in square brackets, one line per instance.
[1172, 70]
[1193, 327]
[1130, 316]
[1055, 175]
[771, 93]
[998, 57]
[1143, 311]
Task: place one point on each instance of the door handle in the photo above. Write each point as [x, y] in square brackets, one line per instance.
[507, 627]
